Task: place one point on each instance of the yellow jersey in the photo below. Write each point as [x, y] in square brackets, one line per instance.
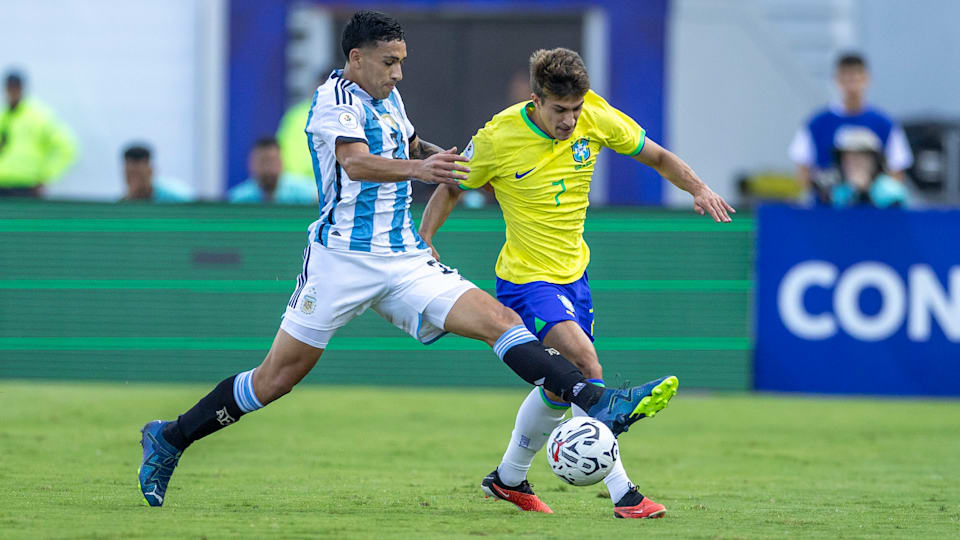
[542, 185]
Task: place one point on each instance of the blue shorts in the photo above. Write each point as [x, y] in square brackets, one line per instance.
[541, 305]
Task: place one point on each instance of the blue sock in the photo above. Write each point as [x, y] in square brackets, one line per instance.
[243, 392]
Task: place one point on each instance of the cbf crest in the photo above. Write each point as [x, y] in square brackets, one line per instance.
[581, 150]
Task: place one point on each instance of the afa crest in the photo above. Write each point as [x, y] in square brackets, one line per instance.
[388, 120]
[581, 150]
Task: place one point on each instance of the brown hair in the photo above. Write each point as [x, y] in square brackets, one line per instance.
[559, 73]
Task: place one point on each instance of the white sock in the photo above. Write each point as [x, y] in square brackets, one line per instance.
[537, 417]
[617, 481]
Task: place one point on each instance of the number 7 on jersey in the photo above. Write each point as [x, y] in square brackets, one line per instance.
[563, 188]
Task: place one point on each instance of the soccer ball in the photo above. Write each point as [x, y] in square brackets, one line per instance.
[582, 451]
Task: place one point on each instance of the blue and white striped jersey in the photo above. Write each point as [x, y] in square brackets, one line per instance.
[357, 215]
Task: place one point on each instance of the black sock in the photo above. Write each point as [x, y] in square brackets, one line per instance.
[215, 411]
[540, 365]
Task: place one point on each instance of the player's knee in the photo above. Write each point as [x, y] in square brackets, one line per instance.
[592, 368]
[499, 319]
[506, 318]
[510, 317]
[587, 362]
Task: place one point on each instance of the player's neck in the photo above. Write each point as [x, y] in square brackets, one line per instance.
[535, 118]
[349, 75]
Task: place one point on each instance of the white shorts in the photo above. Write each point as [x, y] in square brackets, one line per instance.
[411, 290]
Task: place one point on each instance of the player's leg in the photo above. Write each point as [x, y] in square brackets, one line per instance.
[542, 410]
[570, 338]
[427, 298]
[318, 307]
[287, 362]
[478, 315]
[540, 307]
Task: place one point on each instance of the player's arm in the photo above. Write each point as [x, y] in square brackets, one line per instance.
[481, 152]
[674, 169]
[441, 203]
[443, 167]
[421, 149]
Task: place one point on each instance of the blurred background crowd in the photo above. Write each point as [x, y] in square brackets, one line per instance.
[819, 102]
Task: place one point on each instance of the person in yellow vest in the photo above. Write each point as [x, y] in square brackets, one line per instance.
[35, 147]
[294, 150]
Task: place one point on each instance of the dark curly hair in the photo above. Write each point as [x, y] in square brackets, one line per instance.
[368, 27]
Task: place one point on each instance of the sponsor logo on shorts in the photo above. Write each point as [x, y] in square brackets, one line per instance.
[553, 352]
[567, 304]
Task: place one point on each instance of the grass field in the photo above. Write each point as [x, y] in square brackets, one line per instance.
[370, 462]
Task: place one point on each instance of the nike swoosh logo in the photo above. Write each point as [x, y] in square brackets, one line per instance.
[519, 176]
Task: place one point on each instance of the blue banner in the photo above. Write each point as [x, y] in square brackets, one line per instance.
[858, 301]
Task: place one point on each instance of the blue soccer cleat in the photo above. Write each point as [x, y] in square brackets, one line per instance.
[618, 409]
[159, 460]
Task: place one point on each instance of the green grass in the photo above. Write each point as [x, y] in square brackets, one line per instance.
[350, 462]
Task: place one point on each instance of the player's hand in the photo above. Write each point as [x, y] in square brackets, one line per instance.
[443, 168]
[708, 202]
[433, 250]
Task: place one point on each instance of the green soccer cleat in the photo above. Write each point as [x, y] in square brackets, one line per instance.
[619, 409]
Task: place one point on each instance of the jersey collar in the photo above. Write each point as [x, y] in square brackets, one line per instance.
[353, 87]
[529, 122]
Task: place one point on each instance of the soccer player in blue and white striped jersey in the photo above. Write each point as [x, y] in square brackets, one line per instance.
[363, 252]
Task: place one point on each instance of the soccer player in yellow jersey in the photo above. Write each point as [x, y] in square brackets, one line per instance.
[539, 158]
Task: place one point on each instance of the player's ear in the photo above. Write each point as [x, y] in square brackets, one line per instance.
[354, 57]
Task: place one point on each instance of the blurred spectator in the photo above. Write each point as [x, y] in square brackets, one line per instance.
[144, 185]
[291, 136]
[35, 147]
[268, 183]
[862, 181]
[292, 140]
[813, 146]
